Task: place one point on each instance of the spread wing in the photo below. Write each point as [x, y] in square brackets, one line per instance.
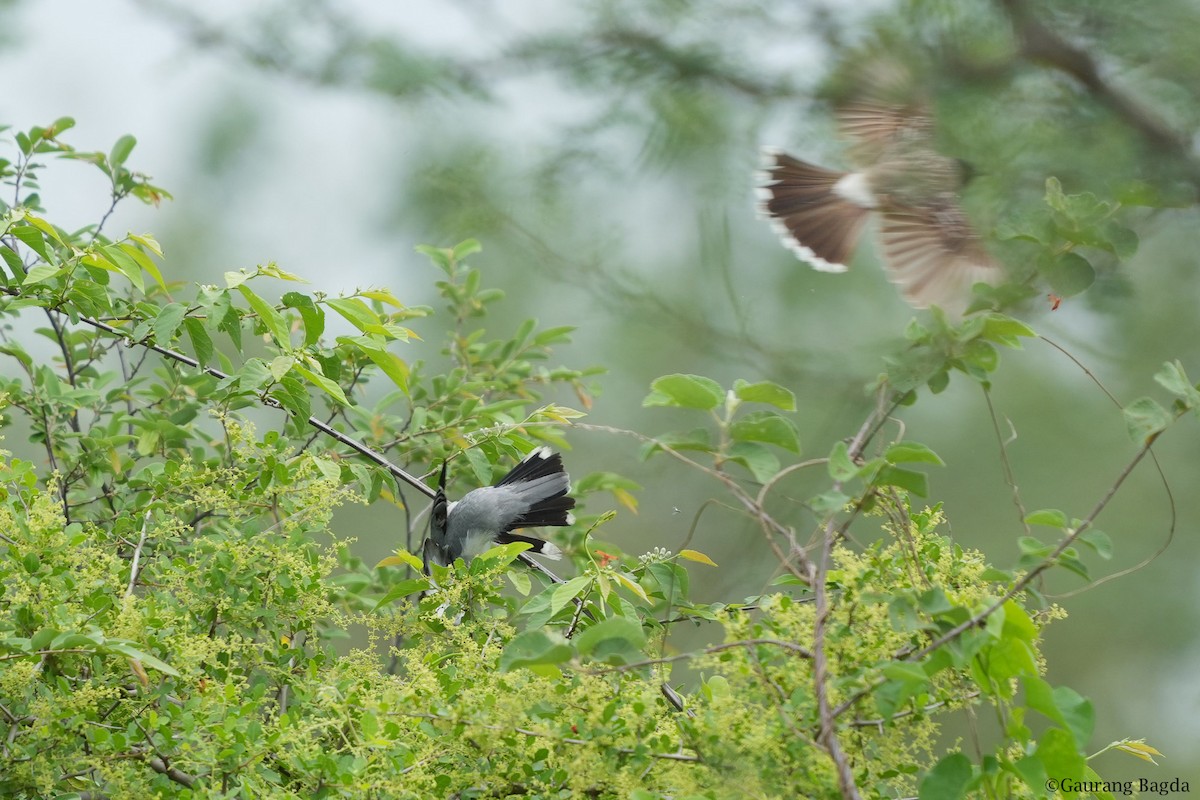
[934, 256]
[875, 130]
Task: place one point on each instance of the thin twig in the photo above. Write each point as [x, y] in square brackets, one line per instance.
[687, 757]
[803, 652]
[1174, 513]
[137, 556]
[1041, 567]
[827, 730]
[768, 522]
[1005, 464]
[320, 425]
[880, 722]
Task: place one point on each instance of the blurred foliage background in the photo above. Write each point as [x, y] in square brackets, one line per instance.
[603, 152]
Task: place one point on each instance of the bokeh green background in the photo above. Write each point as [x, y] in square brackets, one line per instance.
[603, 153]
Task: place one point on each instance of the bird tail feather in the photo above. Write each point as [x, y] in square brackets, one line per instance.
[553, 511]
[541, 463]
[815, 220]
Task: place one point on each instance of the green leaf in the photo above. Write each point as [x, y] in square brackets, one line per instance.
[905, 681]
[566, 592]
[1060, 755]
[1005, 659]
[402, 558]
[403, 589]
[146, 659]
[555, 335]
[761, 462]
[311, 314]
[121, 150]
[274, 322]
[841, 467]
[981, 355]
[1076, 713]
[828, 503]
[357, 313]
[202, 344]
[32, 237]
[905, 671]
[768, 427]
[46, 228]
[1098, 541]
[1006, 331]
[382, 295]
[1034, 548]
[13, 260]
[500, 555]
[948, 779]
[42, 639]
[1067, 273]
[167, 322]
[480, 466]
[935, 603]
[697, 556]
[124, 264]
[292, 393]
[329, 387]
[1139, 749]
[42, 273]
[1145, 419]
[629, 583]
[907, 479]
[910, 452]
[1172, 378]
[78, 641]
[1033, 772]
[327, 467]
[280, 366]
[388, 362]
[673, 580]
[1120, 240]
[467, 247]
[535, 648]
[695, 439]
[685, 391]
[604, 482]
[520, 581]
[438, 255]
[765, 392]
[1068, 560]
[59, 126]
[616, 640]
[143, 261]
[147, 241]
[1050, 517]
[1018, 624]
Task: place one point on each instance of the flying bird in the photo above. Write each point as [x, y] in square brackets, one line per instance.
[532, 494]
[930, 251]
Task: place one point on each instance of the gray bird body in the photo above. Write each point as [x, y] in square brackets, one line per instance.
[532, 494]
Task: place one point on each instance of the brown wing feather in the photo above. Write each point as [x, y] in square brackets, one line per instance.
[874, 129]
[933, 255]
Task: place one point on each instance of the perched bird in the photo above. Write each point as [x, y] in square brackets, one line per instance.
[929, 249]
[533, 493]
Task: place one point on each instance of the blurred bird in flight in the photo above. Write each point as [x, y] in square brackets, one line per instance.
[930, 251]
